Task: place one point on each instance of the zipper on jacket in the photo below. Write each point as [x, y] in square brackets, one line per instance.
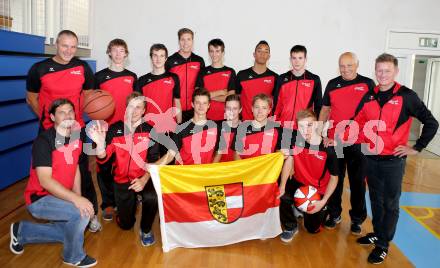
[377, 128]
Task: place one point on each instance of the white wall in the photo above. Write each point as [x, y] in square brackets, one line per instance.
[326, 28]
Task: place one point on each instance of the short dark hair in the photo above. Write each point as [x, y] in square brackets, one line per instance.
[116, 42]
[66, 32]
[200, 92]
[156, 47]
[387, 58]
[233, 97]
[262, 97]
[299, 48]
[217, 42]
[262, 42]
[57, 103]
[184, 31]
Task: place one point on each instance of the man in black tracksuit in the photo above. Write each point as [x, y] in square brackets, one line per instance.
[341, 98]
[384, 117]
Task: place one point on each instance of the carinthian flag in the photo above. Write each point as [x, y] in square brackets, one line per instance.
[218, 204]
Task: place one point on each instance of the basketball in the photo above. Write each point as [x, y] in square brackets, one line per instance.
[305, 196]
[99, 105]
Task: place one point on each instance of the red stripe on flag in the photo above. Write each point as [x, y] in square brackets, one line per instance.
[233, 189]
[193, 207]
[234, 213]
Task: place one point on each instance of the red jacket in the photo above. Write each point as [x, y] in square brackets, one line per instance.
[294, 94]
[383, 128]
[131, 151]
[187, 70]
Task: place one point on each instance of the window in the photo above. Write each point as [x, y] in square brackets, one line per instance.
[47, 18]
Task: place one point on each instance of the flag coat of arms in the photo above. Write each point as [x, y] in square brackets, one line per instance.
[218, 204]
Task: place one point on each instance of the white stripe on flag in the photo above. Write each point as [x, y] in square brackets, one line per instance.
[212, 233]
[234, 201]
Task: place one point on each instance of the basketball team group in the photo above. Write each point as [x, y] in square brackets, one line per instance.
[183, 112]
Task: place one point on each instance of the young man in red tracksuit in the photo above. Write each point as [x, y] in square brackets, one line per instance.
[228, 129]
[341, 98]
[296, 90]
[131, 142]
[313, 165]
[261, 135]
[384, 117]
[162, 90]
[255, 80]
[187, 66]
[195, 140]
[218, 79]
[120, 83]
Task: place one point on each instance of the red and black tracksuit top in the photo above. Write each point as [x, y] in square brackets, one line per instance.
[160, 91]
[60, 153]
[251, 142]
[313, 165]
[187, 70]
[131, 150]
[52, 80]
[343, 97]
[296, 93]
[249, 84]
[196, 144]
[119, 85]
[395, 108]
[226, 135]
[214, 79]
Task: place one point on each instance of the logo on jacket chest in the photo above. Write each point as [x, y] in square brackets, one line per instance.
[267, 81]
[306, 84]
[76, 72]
[168, 81]
[393, 102]
[194, 67]
[359, 88]
[128, 81]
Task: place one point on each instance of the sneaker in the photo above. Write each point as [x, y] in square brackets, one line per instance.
[331, 223]
[368, 239]
[94, 224]
[107, 213]
[14, 245]
[147, 239]
[287, 235]
[377, 256]
[356, 229]
[86, 262]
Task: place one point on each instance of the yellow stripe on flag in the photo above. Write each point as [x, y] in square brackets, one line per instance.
[193, 178]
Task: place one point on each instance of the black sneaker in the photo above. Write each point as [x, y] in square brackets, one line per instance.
[356, 229]
[331, 223]
[15, 247]
[377, 256]
[368, 239]
[86, 262]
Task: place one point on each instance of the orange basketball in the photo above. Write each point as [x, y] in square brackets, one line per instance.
[99, 105]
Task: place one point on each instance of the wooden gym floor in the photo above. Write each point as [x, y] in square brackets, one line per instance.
[419, 229]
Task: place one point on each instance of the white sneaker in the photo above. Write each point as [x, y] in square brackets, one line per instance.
[94, 224]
